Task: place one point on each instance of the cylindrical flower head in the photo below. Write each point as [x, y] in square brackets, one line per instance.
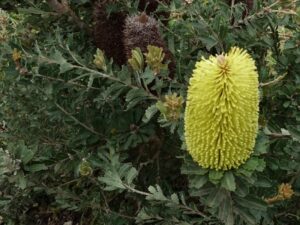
[221, 116]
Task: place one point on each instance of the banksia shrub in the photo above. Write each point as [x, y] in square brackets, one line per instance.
[108, 33]
[221, 117]
[141, 31]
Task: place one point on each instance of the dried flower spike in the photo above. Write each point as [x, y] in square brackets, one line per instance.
[108, 33]
[221, 116]
[4, 20]
[285, 191]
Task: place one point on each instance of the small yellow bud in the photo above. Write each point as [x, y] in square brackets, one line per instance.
[154, 58]
[99, 60]
[171, 107]
[85, 169]
[137, 60]
[16, 55]
[113, 131]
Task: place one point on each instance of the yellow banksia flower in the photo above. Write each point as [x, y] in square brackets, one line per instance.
[221, 116]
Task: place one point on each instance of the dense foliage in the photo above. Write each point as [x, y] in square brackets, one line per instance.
[86, 139]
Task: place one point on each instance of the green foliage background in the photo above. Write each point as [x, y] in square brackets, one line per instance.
[83, 145]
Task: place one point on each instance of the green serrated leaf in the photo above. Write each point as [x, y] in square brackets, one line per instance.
[225, 211]
[251, 164]
[295, 132]
[113, 182]
[135, 96]
[132, 174]
[58, 58]
[191, 168]
[215, 176]
[228, 181]
[252, 203]
[149, 113]
[174, 198]
[245, 215]
[216, 196]
[262, 144]
[36, 167]
[198, 182]
[26, 154]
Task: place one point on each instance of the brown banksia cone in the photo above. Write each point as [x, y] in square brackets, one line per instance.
[141, 31]
[108, 33]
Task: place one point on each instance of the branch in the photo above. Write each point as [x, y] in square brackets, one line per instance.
[77, 121]
[185, 207]
[279, 135]
[64, 81]
[275, 81]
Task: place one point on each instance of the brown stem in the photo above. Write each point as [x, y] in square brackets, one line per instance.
[279, 135]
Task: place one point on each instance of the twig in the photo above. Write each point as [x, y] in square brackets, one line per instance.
[63, 81]
[103, 75]
[231, 9]
[265, 10]
[77, 121]
[279, 135]
[196, 212]
[276, 80]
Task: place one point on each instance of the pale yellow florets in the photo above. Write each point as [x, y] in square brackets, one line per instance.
[221, 116]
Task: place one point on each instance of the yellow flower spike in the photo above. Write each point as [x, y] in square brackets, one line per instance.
[221, 115]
